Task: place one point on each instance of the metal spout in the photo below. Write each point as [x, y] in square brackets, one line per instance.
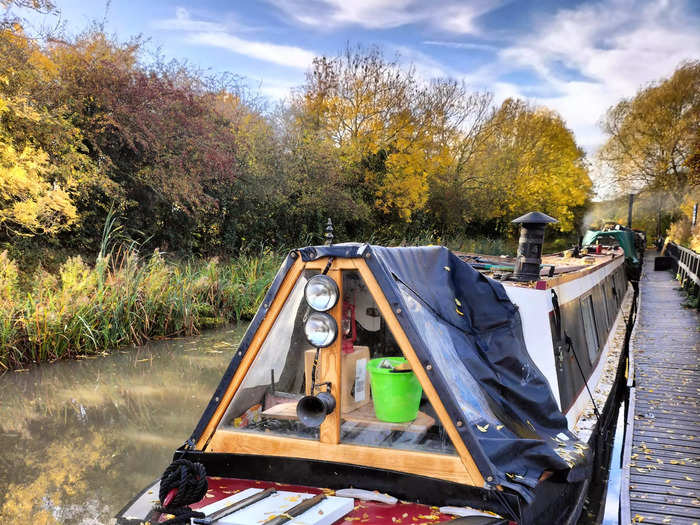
[529, 258]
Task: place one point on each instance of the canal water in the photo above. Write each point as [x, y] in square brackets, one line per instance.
[79, 438]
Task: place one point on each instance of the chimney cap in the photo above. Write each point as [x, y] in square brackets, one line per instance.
[534, 217]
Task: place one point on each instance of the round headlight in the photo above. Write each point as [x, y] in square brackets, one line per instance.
[320, 329]
[321, 293]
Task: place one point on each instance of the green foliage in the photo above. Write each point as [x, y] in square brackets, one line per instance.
[124, 299]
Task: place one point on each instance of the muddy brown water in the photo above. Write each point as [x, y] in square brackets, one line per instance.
[78, 439]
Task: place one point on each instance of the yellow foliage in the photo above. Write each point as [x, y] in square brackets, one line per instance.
[405, 184]
[41, 161]
[368, 108]
[531, 163]
[656, 156]
[437, 145]
[9, 279]
[29, 204]
[682, 231]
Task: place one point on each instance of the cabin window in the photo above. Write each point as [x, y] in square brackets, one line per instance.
[589, 327]
[266, 399]
[608, 301]
[381, 405]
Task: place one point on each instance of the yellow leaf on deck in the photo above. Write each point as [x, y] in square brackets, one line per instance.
[484, 428]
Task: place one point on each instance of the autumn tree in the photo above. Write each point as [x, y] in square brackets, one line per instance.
[42, 159]
[366, 106]
[461, 123]
[158, 132]
[530, 162]
[400, 139]
[653, 137]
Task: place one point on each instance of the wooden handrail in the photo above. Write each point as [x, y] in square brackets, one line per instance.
[687, 260]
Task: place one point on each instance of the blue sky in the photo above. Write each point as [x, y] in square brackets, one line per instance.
[577, 58]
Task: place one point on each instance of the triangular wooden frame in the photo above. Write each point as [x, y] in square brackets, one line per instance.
[460, 468]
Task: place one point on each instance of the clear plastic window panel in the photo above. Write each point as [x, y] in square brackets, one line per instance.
[383, 404]
[267, 398]
[473, 403]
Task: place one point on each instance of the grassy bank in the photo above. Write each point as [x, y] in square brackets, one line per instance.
[122, 299]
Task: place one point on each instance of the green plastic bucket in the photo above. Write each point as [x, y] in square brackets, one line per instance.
[396, 395]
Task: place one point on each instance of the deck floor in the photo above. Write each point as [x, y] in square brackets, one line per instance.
[665, 456]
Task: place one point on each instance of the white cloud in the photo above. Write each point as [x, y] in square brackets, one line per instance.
[183, 22]
[592, 56]
[289, 56]
[461, 45]
[455, 16]
[214, 34]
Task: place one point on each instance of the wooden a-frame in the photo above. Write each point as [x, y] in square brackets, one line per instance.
[460, 468]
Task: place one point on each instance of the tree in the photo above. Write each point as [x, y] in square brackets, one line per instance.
[42, 161]
[653, 136]
[461, 123]
[400, 140]
[367, 107]
[530, 162]
[160, 133]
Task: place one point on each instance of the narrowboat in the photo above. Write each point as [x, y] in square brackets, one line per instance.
[404, 385]
[632, 243]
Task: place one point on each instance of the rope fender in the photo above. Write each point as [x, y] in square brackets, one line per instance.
[184, 482]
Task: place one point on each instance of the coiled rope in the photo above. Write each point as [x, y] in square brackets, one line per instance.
[184, 482]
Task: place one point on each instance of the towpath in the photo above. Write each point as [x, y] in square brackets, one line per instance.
[664, 459]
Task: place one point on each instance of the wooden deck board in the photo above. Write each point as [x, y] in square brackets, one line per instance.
[666, 347]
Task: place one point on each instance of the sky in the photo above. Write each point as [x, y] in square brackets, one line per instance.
[578, 58]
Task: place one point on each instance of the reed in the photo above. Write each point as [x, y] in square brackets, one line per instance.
[123, 299]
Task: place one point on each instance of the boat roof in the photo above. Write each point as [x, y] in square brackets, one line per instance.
[467, 335]
[556, 268]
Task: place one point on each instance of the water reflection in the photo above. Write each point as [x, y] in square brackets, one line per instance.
[79, 439]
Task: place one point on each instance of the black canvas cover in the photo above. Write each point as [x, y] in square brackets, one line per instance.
[464, 325]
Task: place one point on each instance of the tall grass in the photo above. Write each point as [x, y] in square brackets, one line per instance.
[123, 299]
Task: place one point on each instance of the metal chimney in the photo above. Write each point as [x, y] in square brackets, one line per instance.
[630, 204]
[529, 258]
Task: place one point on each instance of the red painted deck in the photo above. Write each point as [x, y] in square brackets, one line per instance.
[364, 512]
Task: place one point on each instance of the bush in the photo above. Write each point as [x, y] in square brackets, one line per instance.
[123, 299]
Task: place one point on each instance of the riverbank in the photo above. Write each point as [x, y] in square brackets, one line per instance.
[123, 299]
